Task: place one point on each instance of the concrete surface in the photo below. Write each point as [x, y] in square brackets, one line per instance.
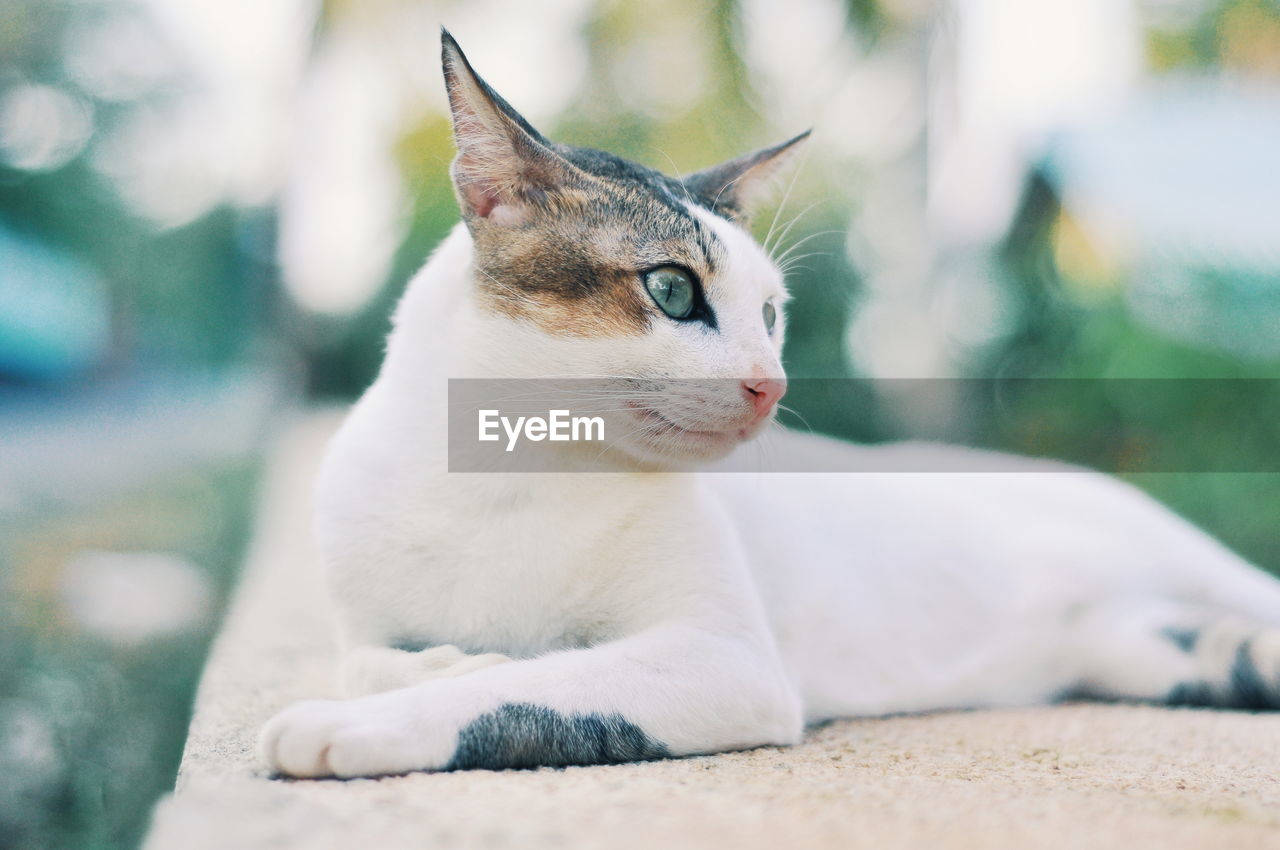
[1086, 776]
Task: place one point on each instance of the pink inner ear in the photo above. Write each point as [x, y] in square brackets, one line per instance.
[508, 215]
[482, 199]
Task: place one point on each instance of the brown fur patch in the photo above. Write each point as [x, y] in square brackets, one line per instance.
[575, 268]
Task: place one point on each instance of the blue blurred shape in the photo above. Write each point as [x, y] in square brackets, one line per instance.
[1193, 166]
[1184, 186]
[62, 450]
[55, 313]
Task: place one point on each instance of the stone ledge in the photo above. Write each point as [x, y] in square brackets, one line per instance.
[1071, 776]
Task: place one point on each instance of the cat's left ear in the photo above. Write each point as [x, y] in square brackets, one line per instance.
[738, 185]
[504, 167]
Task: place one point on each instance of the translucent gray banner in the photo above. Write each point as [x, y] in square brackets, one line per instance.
[904, 425]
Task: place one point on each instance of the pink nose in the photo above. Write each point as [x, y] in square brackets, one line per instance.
[764, 393]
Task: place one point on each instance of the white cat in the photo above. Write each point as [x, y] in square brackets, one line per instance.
[513, 619]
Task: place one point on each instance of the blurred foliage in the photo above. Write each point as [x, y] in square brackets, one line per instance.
[1090, 340]
[197, 293]
[92, 731]
[1233, 34]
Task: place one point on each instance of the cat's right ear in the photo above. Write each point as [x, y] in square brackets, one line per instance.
[503, 166]
[738, 186]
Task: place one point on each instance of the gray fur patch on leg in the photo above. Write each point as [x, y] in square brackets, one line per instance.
[521, 735]
[412, 644]
[1192, 694]
[1245, 688]
[1184, 639]
[1248, 689]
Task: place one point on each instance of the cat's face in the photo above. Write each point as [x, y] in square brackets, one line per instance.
[643, 291]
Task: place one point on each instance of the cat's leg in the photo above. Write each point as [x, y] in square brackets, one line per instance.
[375, 669]
[672, 690]
[1180, 654]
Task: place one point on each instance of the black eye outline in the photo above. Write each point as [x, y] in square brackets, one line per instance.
[666, 275]
[769, 312]
[699, 310]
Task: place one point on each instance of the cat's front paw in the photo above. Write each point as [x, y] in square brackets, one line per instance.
[347, 738]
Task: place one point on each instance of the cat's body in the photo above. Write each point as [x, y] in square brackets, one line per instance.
[516, 619]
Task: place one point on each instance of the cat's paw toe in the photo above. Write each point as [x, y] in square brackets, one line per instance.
[370, 750]
[348, 738]
[297, 741]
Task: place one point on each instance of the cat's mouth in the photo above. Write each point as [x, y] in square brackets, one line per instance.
[699, 440]
[649, 416]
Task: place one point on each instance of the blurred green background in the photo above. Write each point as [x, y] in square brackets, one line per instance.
[207, 210]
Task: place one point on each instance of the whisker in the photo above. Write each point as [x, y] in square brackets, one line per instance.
[796, 245]
[795, 413]
[781, 205]
[782, 235]
[679, 177]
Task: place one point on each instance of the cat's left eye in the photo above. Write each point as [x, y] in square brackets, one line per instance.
[672, 290]
[770, 316]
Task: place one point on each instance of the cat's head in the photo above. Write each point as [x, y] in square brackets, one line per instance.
[588, 266]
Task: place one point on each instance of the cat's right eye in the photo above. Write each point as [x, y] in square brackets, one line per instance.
[672, 290]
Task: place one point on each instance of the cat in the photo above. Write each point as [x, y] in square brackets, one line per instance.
[512, 620]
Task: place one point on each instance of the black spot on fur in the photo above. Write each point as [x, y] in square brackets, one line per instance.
[1184, 639]
[1244, 688]
[521, 735]
[1248, 689]
[1194, 694]
[412, 644]
[705, 238]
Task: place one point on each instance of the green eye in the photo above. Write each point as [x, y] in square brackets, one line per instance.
[672, 290]
[770, 315]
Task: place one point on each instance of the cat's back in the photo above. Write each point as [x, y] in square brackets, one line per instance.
[962, 556]
[929, 508]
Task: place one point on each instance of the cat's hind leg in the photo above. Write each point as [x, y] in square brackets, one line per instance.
[1178, 654]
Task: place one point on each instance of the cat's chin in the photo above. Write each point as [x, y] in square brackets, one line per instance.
[678, 455]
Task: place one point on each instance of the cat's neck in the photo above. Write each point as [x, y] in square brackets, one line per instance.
[432, 321]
